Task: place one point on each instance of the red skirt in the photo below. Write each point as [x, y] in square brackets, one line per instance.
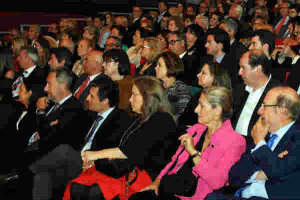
[110, 187]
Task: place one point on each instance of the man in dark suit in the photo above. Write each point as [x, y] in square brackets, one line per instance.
[62, 57]
[27, 59]
[93, 71]
[218, 45]
[236, 49]
[60, 136]
[281, 24]
[255, 72]
[107, 129]
[269, 168]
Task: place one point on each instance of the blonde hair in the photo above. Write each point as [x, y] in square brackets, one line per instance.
[220, 96]
[19, 42]
[155, 46]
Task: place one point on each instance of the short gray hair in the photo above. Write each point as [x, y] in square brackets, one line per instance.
[231, 24]
[32, 53]
[220, 96]
[293, 107]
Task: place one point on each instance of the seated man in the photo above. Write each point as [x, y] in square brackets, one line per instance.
[60, 136]
[108, 128]
[269, 169]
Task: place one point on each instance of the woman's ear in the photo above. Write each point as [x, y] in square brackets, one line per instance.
[218, 112]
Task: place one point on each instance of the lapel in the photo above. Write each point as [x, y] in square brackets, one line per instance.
[285, 140]
[79, 82]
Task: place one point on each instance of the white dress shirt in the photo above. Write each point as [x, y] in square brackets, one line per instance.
[247, 112]
[88, 145]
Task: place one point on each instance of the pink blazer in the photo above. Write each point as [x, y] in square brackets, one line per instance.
[226, 148]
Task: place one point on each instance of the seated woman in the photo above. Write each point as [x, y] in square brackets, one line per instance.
[43, 48]
[151, 48]
[83, 48]
[211, 74]
[134, 52]
[146, 144]
[116, 65]
[18, 123]
[207, 151]
[168, 67]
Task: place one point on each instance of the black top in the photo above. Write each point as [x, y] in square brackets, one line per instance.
[150, 71]
[150, 144]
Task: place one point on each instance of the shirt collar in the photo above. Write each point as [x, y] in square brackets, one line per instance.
[220, 58]
[29, 70]
[232, 41]
[94, 76]
[65, 99]
[106, 113]
[250, 89]
[181, 55]
[282, 131]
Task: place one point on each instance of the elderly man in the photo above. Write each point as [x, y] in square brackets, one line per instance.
[269, 168]
[93, 71]
[27, 60]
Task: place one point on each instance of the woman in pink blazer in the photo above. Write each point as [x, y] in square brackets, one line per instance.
[207, 152]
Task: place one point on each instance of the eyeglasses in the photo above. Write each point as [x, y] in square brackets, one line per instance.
[107, 62]
[270, 105]
[173, 41]
[110, 45]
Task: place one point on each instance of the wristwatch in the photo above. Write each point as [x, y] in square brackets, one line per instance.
[196, 154]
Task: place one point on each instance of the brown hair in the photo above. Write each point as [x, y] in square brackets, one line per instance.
[173, 63]
[155, 98]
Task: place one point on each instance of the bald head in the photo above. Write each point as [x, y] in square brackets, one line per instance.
[288, 98]
[93, 63]
[280, 107]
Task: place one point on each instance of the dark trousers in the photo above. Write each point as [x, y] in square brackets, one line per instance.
[219, 196]
[52, 172]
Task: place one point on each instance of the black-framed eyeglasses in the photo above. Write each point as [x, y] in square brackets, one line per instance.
[268, 105]
[173, 41]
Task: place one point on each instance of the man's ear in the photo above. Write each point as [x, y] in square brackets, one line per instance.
[266, 48]
[259, 68]
[106, 101]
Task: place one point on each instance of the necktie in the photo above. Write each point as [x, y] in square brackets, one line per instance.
[279, 26]
[82, 87]
[96, 123]
[271, 140]
[17, 83]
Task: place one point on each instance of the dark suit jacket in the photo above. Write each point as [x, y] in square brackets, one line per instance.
[86, 91]
[283, 174]
[240, 96]
[37, 77]
[284, 28]
[235, 52]
[110, 132]
[65, 125]
[231, 64]
[293, 78]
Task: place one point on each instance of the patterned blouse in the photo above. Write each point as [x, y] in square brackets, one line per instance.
[179, 97]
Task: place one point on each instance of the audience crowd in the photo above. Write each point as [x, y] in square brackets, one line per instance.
[194, 100]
